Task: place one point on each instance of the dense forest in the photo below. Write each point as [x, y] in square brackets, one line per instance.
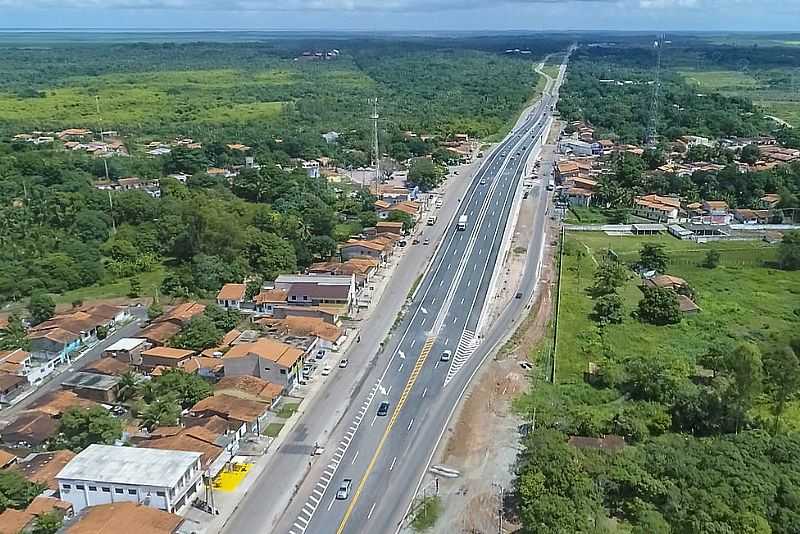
[622, 110]
[59, 233]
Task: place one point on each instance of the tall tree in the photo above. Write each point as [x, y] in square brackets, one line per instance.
[41, 307]
[653, 257]
[782, 368]
[81, 427]
[789, 251]
[659, 306]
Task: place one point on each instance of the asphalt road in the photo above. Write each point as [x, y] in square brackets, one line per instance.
[63, 373]
[384, 456]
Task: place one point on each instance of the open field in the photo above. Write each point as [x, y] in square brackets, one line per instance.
[741, 299]
[777, 92]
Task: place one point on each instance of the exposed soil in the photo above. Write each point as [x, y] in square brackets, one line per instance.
[484, 439]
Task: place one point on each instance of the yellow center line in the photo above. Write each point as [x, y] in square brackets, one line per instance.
[426, 350]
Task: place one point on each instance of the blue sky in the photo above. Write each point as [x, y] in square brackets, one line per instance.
[404, 15]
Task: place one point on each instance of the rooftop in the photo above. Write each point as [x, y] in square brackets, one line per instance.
[123, 518]
[126, 344]
[249, 387]
[108, 366]
[272, 350]
[91, 381]
[232, 292]
[168, 352]
[59, 401]
[231, 407]
[127, 465]
[44, 466]
[319, 279]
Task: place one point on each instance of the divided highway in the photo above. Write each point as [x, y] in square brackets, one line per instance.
[385, 456]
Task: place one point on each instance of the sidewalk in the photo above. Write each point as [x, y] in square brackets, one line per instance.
[261, 499]
[226, 503]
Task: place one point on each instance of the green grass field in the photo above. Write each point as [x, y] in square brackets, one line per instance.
[762, 87]
[578, 215]
[741, 299]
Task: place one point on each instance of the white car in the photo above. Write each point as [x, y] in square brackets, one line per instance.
[326, 370]
[343, 363]
[446, 356]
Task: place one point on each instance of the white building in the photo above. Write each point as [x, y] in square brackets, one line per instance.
[103, 474]
[578, 148]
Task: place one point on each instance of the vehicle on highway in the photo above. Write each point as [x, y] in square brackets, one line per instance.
[518, 296]
[431, 220]
[415, 241]
[480, 154]
[439, 203]
[343, 363]
[503, 154]
[344, 489]
[383, 409]
[446, 356]
[483, 181]
[426, 241]
[320, 354]
[525, 194]
[550, 186]
[462, 223]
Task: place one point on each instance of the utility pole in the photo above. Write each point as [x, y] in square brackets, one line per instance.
[111, 208]
[375, 117]
[501, 493]
[652, 131]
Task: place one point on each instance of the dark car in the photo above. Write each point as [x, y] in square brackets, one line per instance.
[383, 409]
[518, 296]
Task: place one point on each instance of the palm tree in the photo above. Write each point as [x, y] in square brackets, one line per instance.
[127, 386]
[146, 390]
[163, 411]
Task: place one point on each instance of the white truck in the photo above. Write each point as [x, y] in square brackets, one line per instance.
[431, 220]
[462, 223]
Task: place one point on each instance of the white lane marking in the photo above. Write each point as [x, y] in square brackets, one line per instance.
[409, 425]
[448, 268]
[412, 343]
[462, 300]
[424, 391]
[310, 508]
[436, 366]
[479, 251]
[301, 527]
[469, 282]
[388, 391]
[354, 457]
[317, 491]
[433, 301]
[441, 282]
[331, 504]
[400, 369]
[373, 420]
[371, 510]
[455, 320]
[305, 520]
[394, 460]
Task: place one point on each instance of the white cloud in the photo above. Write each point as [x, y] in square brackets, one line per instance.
[663, 4]
[289, 5]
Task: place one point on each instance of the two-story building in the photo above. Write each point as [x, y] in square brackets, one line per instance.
[104, 474]
[318, 290]
[267, 359]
